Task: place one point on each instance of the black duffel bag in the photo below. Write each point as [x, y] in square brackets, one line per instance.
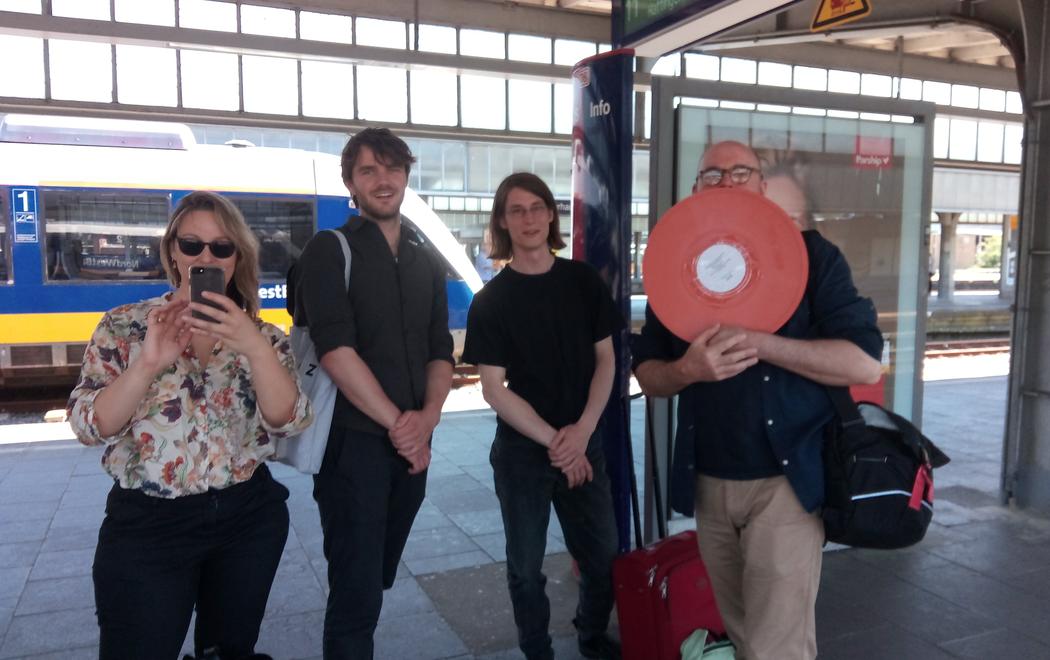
[878, 476]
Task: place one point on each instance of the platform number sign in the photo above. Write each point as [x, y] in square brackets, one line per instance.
[23, 208]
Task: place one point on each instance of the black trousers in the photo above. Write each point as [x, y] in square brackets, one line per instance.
[157, 559]
[367, 501]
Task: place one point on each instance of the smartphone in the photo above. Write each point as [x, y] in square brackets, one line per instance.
[206, 278]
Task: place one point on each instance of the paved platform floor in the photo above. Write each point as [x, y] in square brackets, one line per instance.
[973, 589]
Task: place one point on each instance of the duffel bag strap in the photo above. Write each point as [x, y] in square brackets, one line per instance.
[845, 406]
[923, 487]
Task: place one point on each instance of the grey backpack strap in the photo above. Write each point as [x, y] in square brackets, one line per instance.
[346, 257]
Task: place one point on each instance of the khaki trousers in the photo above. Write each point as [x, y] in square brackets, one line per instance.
[763, 553]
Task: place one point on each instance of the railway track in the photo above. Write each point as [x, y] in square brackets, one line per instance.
[38, 400]
[967, 347]
[30, 401]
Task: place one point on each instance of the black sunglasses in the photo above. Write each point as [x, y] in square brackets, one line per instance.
[191, 247]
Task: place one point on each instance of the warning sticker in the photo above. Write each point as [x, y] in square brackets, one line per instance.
[835, 12]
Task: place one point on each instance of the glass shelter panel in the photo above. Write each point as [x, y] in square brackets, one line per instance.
[860, 184]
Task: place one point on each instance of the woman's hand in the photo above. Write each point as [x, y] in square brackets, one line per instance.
[167, 335]
[231, 324]
[273, 382]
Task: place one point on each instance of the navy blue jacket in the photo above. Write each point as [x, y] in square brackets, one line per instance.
[766, 420]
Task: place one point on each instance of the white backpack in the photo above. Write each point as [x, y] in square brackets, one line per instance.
[305, 451]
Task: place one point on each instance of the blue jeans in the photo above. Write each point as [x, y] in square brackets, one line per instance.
[527, 484]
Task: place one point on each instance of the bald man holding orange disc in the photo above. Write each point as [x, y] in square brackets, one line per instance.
[748, 320]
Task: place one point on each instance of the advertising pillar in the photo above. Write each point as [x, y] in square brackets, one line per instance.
[601, 232]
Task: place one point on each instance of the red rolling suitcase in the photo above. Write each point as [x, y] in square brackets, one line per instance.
[663, 594]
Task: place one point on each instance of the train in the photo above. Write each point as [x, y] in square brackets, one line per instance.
[84, 203]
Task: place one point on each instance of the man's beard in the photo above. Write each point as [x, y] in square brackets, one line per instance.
[373, 213]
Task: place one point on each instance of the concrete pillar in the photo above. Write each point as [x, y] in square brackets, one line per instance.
[1026, 458]
[946, 278]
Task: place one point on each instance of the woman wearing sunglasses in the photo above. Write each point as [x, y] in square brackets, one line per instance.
[189, 410]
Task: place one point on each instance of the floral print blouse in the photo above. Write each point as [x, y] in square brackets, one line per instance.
[197, 428]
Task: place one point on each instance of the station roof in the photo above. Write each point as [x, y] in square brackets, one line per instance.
[922, 39]
[954, 42]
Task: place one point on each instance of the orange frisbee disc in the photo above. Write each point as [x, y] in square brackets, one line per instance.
[724, 256]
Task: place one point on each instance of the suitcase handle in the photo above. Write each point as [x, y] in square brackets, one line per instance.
[658, 500]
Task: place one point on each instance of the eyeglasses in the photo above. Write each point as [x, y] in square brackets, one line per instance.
[191, 247]
[520, 212]
[738, 174]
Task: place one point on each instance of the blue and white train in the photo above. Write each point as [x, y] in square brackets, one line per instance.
[84, 203]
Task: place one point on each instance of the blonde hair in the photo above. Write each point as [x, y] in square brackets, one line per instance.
[243, 288]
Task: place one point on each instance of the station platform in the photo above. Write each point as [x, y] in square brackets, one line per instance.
[966, 313]
[969, 313]
[974, 588]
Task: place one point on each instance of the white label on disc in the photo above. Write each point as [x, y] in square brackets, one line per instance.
[721, 268]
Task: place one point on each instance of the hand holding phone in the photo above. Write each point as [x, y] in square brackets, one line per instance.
[206, 278]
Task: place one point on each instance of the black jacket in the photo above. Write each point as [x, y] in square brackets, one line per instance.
[395, 314]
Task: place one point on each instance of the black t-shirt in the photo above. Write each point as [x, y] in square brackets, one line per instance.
[542, 329]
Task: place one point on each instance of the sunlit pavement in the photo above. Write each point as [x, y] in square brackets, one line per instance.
[972, 589]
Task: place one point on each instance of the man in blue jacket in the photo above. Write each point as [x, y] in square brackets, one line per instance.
[751, 412]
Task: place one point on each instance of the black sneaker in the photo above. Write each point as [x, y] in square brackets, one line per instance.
[601, 647]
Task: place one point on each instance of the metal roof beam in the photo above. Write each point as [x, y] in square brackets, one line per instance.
[877, 61]
[974, 52]
[252, 44]
[950, 38]
[261, 120]
[548, 21]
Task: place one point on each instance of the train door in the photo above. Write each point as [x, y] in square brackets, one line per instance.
[6, 277]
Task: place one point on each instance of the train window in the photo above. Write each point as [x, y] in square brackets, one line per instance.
[282, 226]
[5, 240]
[101, 235]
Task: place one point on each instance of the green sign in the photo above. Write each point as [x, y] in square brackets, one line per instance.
[640, 13]
[637, 19]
